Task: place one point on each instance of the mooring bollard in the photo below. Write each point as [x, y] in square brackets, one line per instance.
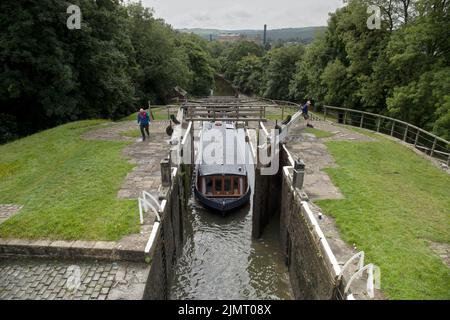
[165, 172]
[299, 174]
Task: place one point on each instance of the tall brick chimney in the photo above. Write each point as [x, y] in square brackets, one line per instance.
[265, 34]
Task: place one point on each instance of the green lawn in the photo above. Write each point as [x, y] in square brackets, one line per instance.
[277, 114]
[68, 186]
[319, 133]
[395, 203]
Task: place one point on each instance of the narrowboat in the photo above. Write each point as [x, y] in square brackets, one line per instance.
[221, 171]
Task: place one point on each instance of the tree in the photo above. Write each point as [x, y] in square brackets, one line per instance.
[200, 63]
[306, 83]
[248, 75]
[37, 80]
[232, 55]
[418, 56]
[279, 68]
[120, 58]
[161, 63]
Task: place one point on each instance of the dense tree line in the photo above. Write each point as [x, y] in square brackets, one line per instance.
[299, 35]
[120, 58]
[401, 70]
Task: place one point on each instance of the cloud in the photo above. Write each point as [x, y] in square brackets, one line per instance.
[202, 17]
[243, 14]
[238, 14]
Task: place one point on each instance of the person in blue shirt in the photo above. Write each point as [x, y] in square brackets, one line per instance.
[143, 120]
[305, 113]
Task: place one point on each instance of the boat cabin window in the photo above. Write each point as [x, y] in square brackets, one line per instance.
[236, 185]
[218, 186]
[242, 185]
[209, 185]
[227, 186]
[223, 186]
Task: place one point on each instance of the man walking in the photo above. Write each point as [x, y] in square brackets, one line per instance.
[143, 120]
[305, 113]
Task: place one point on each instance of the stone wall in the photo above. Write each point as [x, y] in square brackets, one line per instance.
[169, 239]
[310, 271]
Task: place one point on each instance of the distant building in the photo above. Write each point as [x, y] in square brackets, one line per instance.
[230, 37]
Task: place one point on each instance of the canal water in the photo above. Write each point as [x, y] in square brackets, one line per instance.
[220, 260]
[222, 87]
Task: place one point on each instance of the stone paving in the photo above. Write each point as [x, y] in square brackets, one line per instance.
[8, 210]
[314, 153]
[442, 250]
[68, 280]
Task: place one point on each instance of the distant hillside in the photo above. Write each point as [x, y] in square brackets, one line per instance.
[306, 34]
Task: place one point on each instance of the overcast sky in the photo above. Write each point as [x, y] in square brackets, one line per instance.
[243, 14]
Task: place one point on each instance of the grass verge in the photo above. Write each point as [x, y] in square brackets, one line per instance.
[277, 114]
[395, 203]
[68, 186]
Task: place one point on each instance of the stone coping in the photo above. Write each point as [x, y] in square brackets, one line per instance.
[78, 249]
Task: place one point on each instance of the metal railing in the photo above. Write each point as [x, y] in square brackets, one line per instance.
[422, 140]
[146, 202]
[235, 109]
[283, 105]
[225, 112]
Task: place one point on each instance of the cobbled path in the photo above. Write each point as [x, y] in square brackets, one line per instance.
[27, 279]
[36, 279]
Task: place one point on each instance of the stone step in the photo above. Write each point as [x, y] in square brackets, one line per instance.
[98, 250]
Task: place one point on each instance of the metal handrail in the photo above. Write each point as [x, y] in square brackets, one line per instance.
[145, 204]
[409, 128]
[151, 240]
[390, 119]
[372, 279]
[360, 256]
